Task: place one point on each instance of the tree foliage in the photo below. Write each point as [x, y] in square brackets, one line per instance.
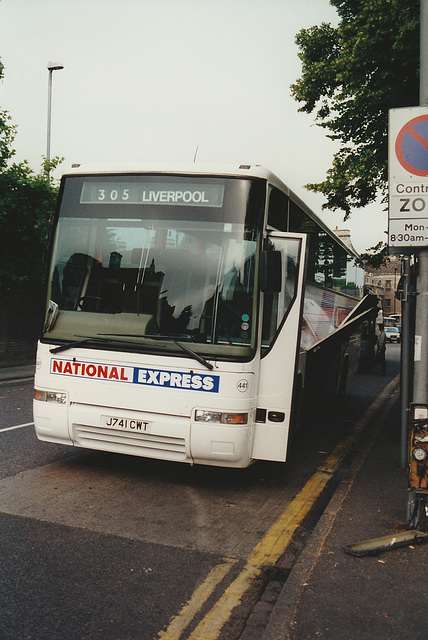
[352, 75]
[375, 257]
[7, 136]
[27, 200]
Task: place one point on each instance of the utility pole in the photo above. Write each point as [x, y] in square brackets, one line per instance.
[408, 235]
[52, 66]
[418, 423]
[420, 383]
[406, 359]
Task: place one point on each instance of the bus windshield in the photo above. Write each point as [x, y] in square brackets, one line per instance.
[130, 266]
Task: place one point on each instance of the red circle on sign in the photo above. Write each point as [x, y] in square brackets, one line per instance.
[418, 140]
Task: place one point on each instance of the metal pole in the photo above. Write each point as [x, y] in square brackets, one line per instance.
[417, 500]
[48, 142]
[420, 382]
[395, 285]
[406, 355]
[52, 66]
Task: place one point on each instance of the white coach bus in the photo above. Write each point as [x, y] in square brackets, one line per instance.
[191, 312]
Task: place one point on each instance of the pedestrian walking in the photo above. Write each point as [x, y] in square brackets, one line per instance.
[380, 351]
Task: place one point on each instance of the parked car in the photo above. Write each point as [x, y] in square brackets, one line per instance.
[392, 334]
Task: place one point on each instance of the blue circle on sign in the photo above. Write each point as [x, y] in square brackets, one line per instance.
[411, 146]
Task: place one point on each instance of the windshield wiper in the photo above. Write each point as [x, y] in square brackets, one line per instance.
[86, 340]
[155, 336]
[159, 336]
[194, 355]
[77, 343]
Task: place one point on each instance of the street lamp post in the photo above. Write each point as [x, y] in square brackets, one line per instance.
[395, 286]
[52, 66]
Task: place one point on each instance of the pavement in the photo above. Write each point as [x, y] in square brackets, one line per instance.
[330, 594]
[17, 373]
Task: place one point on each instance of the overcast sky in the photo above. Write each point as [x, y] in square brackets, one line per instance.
[154, 80]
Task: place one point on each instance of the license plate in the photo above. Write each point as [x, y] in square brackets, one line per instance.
[127, 424]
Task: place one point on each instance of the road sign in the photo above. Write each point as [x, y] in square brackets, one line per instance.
[411, 146]
[408, 179]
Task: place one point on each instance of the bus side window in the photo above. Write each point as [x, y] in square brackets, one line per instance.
[278, 210]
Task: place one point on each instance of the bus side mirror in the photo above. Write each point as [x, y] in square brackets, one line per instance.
[270, 271]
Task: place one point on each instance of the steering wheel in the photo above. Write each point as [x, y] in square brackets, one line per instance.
[97, 304]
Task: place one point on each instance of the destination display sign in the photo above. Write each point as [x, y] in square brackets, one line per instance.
[152, 193]
[408, 179]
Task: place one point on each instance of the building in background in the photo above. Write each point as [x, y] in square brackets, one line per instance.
[383, 282]
[345, 236]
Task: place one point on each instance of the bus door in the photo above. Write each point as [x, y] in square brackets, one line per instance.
[282, 303]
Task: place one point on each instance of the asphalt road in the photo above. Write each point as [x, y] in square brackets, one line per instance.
[97, 545]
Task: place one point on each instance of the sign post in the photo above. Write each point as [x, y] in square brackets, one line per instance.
[408, 234]
[407, 228]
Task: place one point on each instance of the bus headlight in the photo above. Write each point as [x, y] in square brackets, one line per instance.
[50, 396]
[221, 417]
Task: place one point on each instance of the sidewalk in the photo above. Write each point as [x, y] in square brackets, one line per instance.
[335, 596]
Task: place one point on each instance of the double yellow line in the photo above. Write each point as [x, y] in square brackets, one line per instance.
[268, 551]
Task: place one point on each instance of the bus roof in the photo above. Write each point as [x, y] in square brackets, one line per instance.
[247, 170]
[242, 170]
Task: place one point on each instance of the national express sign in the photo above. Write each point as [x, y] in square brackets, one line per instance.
[159, 378]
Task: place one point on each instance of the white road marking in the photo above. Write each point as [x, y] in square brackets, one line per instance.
[17, 426]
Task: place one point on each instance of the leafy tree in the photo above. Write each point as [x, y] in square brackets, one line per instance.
[351, 75]
[376, 256]
[7, 135]
[27, 200]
